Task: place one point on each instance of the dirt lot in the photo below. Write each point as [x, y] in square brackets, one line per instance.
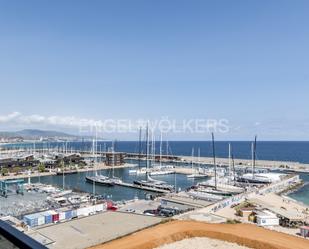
[202, 243]
[242, 234]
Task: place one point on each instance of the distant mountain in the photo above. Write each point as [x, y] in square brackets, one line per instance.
[6, 134]
[42, 133]
[36, 134]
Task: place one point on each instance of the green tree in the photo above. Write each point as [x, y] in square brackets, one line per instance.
[4, 171]
[62, 165]
[16, 170]
[41, 167]
[29, 168]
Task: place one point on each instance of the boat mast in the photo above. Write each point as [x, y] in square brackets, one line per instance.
[252, 167]
[229, 174]
[63, 181]
[147, 153]
[139, 147]
[233, 168]
[153, 147]
[192, 155]
[113, 151]
[214, 157]
[199, 160]
[95, 158]
[254, 154]
[161, 150]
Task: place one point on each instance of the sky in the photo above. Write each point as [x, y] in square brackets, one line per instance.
[66, 63]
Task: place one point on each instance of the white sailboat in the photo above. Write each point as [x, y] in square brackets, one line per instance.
[196, 174]
[96, 178]
[253, 178]
[150, 182]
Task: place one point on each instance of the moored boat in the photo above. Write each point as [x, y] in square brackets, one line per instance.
[100, 180]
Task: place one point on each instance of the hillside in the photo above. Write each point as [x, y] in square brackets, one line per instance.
[36, 134]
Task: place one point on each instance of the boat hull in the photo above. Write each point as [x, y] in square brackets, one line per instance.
[152, 185]
[99, 182]
[67, 173]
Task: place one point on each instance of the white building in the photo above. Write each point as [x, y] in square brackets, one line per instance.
[267, 218]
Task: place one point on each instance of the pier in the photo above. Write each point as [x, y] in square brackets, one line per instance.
[131, 185]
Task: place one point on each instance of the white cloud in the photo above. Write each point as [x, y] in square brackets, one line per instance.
[9, 117]
[34, 119]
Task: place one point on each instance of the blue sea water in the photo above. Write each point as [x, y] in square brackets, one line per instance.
[302, 194]
[280, 151]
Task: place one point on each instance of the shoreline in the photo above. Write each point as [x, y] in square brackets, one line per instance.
[53, 173]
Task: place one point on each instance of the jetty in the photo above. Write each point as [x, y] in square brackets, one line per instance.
[132, 185]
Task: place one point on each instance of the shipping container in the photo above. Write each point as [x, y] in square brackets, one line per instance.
[68, 215]
[55, 216]
[41, 220]
[31, 221]
[91, 210]
[99, 207]
[82, 211]
[61, 216]
[48, 218]
[74, 213]
[34, 220]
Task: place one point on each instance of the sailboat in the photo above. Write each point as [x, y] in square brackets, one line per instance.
[213, 186]
[159, 169]
[98, 179]
[150, 182]
[252, 177]
[196, 172]
[114, 179]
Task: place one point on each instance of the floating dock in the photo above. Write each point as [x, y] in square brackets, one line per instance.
[131, 185]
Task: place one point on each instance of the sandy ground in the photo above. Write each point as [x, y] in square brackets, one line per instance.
[242, 234]
[201, 243]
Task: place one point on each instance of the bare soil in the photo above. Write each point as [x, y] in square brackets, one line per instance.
[241, 234]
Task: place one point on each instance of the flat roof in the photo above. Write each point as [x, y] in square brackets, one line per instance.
[92, 230]
[289, 214]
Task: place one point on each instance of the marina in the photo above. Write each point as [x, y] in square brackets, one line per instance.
[98, 184]
[154, 125]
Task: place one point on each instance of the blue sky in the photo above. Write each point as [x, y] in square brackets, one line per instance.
[244, 61]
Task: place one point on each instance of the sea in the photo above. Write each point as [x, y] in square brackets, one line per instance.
[294, 151]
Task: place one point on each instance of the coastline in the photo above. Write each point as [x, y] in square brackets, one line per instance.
[53, 173]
